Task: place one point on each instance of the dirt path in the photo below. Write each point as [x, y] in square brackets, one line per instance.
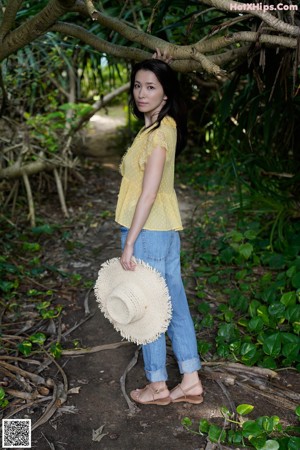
[99, 401]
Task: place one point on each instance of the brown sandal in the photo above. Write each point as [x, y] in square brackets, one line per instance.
[159, 401]
[195, 399]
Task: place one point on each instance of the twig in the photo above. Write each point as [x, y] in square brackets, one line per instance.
[52, 447]
[66, 333]
[86, 303]
[32, 376]
[50, 410]
[17, 358]
[27, 405]
[60, 193]
[97, 348]
[23, 395]
[64, 376]
[133, 408]
[29, 199]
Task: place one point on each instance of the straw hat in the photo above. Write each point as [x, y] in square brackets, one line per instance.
[137, 302]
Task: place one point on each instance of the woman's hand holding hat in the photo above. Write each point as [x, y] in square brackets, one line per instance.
[127, 260]
[137, 303]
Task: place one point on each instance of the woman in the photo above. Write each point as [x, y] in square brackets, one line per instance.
[148, 213]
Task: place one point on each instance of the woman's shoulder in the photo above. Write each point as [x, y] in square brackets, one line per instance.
[168, 121]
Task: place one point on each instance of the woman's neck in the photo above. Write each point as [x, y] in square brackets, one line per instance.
[151, 118]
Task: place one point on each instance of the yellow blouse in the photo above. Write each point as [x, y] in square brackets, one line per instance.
[164, 214]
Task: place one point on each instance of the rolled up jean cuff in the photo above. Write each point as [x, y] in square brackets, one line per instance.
[189, 366]
[157, 375]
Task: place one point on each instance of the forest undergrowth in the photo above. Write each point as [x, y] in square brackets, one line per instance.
[244, 292]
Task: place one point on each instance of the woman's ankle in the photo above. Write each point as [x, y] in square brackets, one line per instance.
[190, 379]
[159, 385]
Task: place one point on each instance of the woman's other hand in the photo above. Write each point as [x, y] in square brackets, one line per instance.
[163, 56]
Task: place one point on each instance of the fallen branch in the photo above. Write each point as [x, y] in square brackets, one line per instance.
[61, 194]
[272, 397]
[23, 373]
[133, 408]
[50, 410]
[16, 171]
[29, 199]
[97, 348]
[241, 368]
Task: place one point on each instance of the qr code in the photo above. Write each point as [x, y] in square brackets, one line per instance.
[16, 433]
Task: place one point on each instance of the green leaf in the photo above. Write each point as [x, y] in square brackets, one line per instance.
[254, 305]
[43, 229]
[289, 298]
[255, 324]
[216, 434]
[244, 409]
[227, 331]
[290, 338]
[248, 351]
[203, 426]
[203, 347]
[56, 350]
[269, 424]
[2, 393]
[246, 250]
[259, 441]
[203, 308]
[269, 363]
[6, 286]
[294, 443]
[292, 313]
[25, 348]
[262, 311]
[296, 280]
[272, 345]
[251, 428]
[250, 234]
[297, 411]
[276, 309]
[236, 236]
[270, 445]
[235, 437]
[186, 422]
[38, 338]
[207, 321]
[291, 351]
[225, 411]
[31, 246]
[43, 305]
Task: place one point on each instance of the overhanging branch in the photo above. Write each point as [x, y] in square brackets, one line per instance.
[265, 16]
[9, 16]
[35, 27]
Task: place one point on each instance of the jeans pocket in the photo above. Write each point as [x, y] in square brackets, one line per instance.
[156, 244]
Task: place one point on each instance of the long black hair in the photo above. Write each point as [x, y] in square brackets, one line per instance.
[174, 106]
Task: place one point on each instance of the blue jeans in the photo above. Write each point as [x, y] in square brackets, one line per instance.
[161, 250]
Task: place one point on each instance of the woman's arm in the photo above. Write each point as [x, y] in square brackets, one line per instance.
[152, 177]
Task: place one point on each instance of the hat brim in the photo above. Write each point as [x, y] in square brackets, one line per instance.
[158, 313]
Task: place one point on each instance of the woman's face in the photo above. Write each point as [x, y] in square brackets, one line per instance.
[148, 93]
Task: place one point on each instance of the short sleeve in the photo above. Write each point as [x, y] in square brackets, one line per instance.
[155, 138]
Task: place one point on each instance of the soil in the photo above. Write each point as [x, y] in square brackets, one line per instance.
[99, 401]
